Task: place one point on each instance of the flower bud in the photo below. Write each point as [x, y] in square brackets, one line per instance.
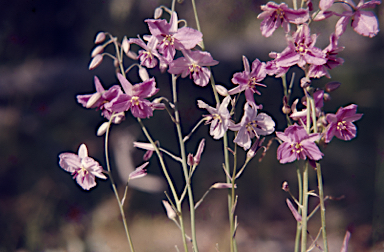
[158, 13]
[132, 55]
[125, 45]
[332, 86]
[170, 212]
[222, 186]
[143, 73]
[285, 186]
[102, 129]
[93, 99]
[139, 172]
[96, 61]
[98, 49]
[221, 90]
[100, 37]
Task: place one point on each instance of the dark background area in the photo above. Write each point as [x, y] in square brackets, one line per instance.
[44, 55]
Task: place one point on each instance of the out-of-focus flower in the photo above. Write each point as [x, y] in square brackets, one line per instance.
[134, 97]
[252, 125]
[301, 116]
[170, 37]
[249, 79]
[83, 168]
[363, 22]
[341, 124]
[219, 117]
[193, 65]
[297, 144]
[276, 15]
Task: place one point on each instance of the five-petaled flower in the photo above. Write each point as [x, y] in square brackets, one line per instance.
[134, 97]
[170, 37]
[193, 65]
[297, 144]
[276, 15]
[249, 79]
[219, 117]
[252, 125]
[83, 168]
[341, 124]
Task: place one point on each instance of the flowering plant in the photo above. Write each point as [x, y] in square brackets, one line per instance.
[306, 130]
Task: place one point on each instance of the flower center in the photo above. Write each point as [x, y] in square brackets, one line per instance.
[297, 148]
[169, 40]
[341, 125]
[301, 48]
[251, 126]
[135, 100]
[217, 116]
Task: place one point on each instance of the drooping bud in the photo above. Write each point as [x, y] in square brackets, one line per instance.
[285, 186]
[145, 146]
[98, 49]
[96, 61]
[93, 99]
[102, 129]
[125, 45]
[158, 13]
[100, 37]
[222, 186]
[132, 55]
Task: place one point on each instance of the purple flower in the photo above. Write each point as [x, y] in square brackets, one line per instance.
[193, 64]
[147, 56]
[301, 50]
[363, 22]
[249, 79]
[133, 98]
[275, 15]
[341, 125]
[170, 37]
[252, 125]
[218, 118]
[83, 168]
[101, 100]
[297, 144]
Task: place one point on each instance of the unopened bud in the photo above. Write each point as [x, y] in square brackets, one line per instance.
[125, 45]
[285, 186]
[332, 86]
[100, 37]
[223, 186]
[96, 61]
[143, 73]
[170, 212]
[327, 97]
[286, 109]
[102, 129]
[158, 13]
[132, 55]
[93, 99]
[221, 90]
[139, 172]
[98, 49]
[304, 82]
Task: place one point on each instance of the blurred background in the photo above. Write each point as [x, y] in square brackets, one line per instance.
[44, 55]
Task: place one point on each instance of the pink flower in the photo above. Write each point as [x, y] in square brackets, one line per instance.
[170, 37]
[363, 22]
[341, 125]
[134, 98]
[297, 144]
[252, 125]
[101, 100]
[83, 168]
[301, 50]
[218, 118]
[193, 65]
[147, 56]
[249, 79]
[275, 15]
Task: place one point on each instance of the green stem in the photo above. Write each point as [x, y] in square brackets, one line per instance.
[322, 207]
[304, 209]
[184, 165]
[170, 183]
[115, 189]
[298, 226]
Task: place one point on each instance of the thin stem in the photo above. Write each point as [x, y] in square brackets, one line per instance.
[322, 207]
[304, 209]
[169, 180]
[184, 165]
[115, 189]
[298, 226]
